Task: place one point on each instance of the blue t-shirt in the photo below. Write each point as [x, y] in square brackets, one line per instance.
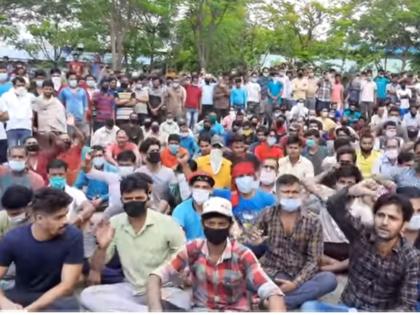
[189, 219]
[275, 87]
[254, 205]
[5, 87]
[39, 264]
[381, 83]
[75, 103]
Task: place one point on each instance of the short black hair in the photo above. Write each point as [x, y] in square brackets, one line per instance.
[146, 144]
[346, 150]
[293, 139]
[55, 70]
[70, 73]
[144, 177]
[98, 148]
[348, 171]
[389, 123]
[55, 164]
[287, 179]
[49, 200]
[48, 83]
[18, 79]
[313, 132]
[174, 137]
[204, 138]
[237, 138]
[262, 129]
[16, 197]
[40, 73]
[393, 199]
[343, 129]
[340, 142]
[409, 192]
[133, 182]
[405, 156]
[126, 155]
[315, 121]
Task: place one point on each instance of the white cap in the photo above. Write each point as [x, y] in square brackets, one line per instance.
[218, 205]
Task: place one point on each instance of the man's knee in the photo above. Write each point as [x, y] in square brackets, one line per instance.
[327, 281]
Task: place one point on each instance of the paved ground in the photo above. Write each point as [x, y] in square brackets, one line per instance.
[334, 297]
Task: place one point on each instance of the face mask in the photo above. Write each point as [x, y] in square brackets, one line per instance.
[390, 133]
[17, 166]
[153, 157]
[33, 148]
[135, 209]
[310, 143]
[58, 182]
[184, 134]
[267, 177]
[3, 76]
[175, 84]
[271, 141]
[395, 119]
[18, 218]
[391, 154]
[200, 196]
[124, 85]
[125, 170]
[91, 83]
[155, 129]
[173, 148]
[39, 83]
[20, 91]
[213, 119]
[412, 133]
[254, 80]
[98, 162]
[245, 184]
[414, 223]
[216, 236]
[265, 74]
[290, 204]
[170, 120]
[73, 83]
[216, 158]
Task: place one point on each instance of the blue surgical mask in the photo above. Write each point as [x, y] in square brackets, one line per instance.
[125, 170]
[173, 148]
[98, 162]
[17, 166]
[3, 76]
[245, 184]
[58, 182]
[310, 143]
[290, 204]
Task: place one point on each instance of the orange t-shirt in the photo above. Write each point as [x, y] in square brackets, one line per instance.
[170, 160]
[73, 158]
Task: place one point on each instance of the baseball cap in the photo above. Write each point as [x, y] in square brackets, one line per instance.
[217, 140]
[218, 205]
[201, 176]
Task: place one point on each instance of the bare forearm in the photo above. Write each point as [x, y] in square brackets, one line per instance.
[98, 260]
[276, 304]
[62, 289]
[154, 294]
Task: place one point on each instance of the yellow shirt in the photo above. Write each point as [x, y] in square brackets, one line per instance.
[302, 169]
[327, 124]
[365, 165]
[142, 252]
[223, 179]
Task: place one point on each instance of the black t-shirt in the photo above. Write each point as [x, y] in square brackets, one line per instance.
[39, 264]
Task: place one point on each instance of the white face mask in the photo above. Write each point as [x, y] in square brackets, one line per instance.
[125, 170]
[39, 83]
[18, 218]
[290, 204]
[91, 83]
[245, 184]
[391, 154]
[216, 158]
[200, 196]
[390, 133]
[73, 83]
[414, 223]
[20, 91]
[3, 76]
[271, 141]
[267, 176]
[57, 82]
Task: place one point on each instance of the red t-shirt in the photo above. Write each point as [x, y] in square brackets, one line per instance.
[114, 149]
[193, 96]
[264, 151]
[73, 158]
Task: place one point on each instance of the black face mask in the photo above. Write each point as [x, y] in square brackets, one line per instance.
[104, 89]
[33, 148]
[216, 236]
[135, 209]
[124, 85]
[154, 157]
[147, 124]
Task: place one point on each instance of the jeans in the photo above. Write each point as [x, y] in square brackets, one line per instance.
[367, 109]
[64, 304]
[3, 151]
[310, 103]
[192, 116]
[316, 306]
[320, 105]
[119, 297]
[17, 136]
[319, 285]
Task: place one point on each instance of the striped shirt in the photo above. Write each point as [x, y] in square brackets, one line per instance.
[222, 286]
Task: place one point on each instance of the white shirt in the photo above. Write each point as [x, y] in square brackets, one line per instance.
[78, 198]
[104, 137]
[287, 87]
[254, 92]
[302, 169]
[169, 128]
[405, 102]
[367, 91]
[207, 93]
[19, 109]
